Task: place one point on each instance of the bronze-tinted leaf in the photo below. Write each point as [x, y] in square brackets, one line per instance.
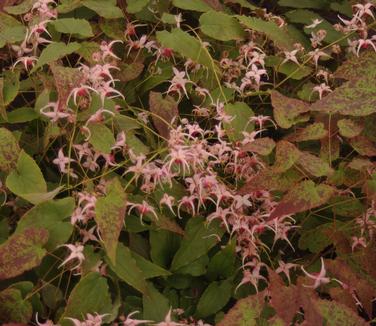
[109, 215]
[304, 196]
[363, 146]
[288, 111]
[13, 307]
[9, 150]
[314, 165]
[287, 154]
[22, 252]
[349, 128]
[164, 111]
[263, 146]
[314, 131]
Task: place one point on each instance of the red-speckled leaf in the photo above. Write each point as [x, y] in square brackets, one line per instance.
[288, 111]
[66, 79]
[304, 196]
[13, 307]
[349, 128]
[287, 154]
[245, 312]
[269, 180]
[109, 215]
[357, 96]
[314, 131]
[164, 111]
[363, 146]
[9, 150]
[263, 146]
[22, 252]
[314, 165]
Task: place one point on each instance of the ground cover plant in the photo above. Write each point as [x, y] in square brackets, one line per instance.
[187, 162]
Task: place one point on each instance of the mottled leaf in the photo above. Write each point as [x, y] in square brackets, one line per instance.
[363, 146]
[109, 215]
[349, 128]
[287, 111]
[314, 131]
[287, 154]
[241, 114]
[22, 252]
[314, 165]
[304, 196]
[9, 150]
[13, 307]
[263, 146]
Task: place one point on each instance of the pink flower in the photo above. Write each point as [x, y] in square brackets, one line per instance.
[320, 278]
[62, 161]
[76, 253]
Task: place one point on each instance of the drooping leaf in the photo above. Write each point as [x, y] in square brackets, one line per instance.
[55, 51]
[74, 26]
[222, 264]
[149, 270]
[126, 268]
[214, 298]
[9, 150]
[221, 26]
[104, 8]
[287, 111]
[164, 245]
[155, 305]
[90, 295]
[13, 307]
[22, 252]
[109, 215]
[101, 137]
[304, 196]
[241, 114]
[196, 242]
[51, 215]
[164, 111]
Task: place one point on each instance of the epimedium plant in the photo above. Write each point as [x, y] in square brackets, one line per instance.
[187, 162]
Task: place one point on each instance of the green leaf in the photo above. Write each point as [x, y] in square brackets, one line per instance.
[73, 26]
[164, 245]
[290, 69]
[104, 8]
[135, 6]
[20, 9]
[288, 111]
[223, 262]
[221, 26]
[13, 307]
[109, 215]
[149, 270]
[11, 86]
[195, 5]
[55, 51]
[90, 295]
[282, 37]
[52, 216]
[197, 241]
[315, 239]
[155, 305]
[22, 252]
[11, 30]
[316, 4]
[9, 150]
[242, 3]
[164, 110]
[66, 6]
[21, 115]
[101, 138]
[26, 178]
[304, 196]
[214, 298]
[87, 49]
[195, 268]
[126, 268]
[241, 114]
